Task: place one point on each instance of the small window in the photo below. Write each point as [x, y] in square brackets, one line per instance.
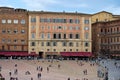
[101, 30]
[77, 21]
[22, 31]
[9, 21]
[32, 43]
[86, 28]
[54, 50]
[48, 35]
[15, 21]
[70, 36]
[70, 49]
[41, 20]
[3, 31]
[48, 44]
[64, 43]
[64, 50]
[70, 20]
[42, 35]
[77, 28]
[42, 27]
[23, 21]
[59, 27]
[33, 35]
[86, 21]
[86, 50]
[8, 31]
[77, 44]
[48, 49]
[77, 50]
[15, 31]
[3, 21]
[86, 44]
[64, 36]
[3, 40]
[54, 36]
[48, 27]
[71, 28]
[59, 36]
[54, 43]
[15, 41]
[77, 36]
[71, 44]
[33, 19]
[15, 47]
[23, 41]
[96, 20]
[42, 43]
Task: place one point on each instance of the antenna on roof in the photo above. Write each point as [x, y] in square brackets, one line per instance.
[76, 12]
[63, 11]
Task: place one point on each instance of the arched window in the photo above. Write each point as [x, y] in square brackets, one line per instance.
[71, 44]
[54, 43]
[86, 44]
[77, 36]
[32, 43]
[70, 36]
[48, 44]
[64, 43]
[59, 36]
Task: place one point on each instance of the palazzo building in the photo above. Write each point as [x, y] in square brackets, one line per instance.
[106, 38]
[13, 30]
[59, 33]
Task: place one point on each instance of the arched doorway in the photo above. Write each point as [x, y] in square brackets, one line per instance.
[3, 47]
[40, 54]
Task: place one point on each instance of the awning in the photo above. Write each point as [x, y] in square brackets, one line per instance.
[33, 54]
[1, 53]
[117, 55]
[17, 53]
[51, 53]
[67, 54]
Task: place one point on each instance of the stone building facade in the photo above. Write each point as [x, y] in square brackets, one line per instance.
[59, 33]
[104, 16]
[13, 29]
[106, 38]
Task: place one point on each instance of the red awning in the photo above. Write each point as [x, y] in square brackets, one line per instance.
[15, 53]
[87, 54]
[116, 55]
[1, 53]
[33, 54]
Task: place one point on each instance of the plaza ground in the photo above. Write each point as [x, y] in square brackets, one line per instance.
[112, 69]
[68, 68]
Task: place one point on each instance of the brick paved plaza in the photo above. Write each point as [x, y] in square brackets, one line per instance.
[27, 69]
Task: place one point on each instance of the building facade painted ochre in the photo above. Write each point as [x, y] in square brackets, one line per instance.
[51, 33]
[104, 16]
[13, 29]
[106, 38]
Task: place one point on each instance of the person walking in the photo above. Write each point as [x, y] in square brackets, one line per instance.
[10, 73]
[59, 66]
[68, 78]
[31, 78]
[47, 69]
